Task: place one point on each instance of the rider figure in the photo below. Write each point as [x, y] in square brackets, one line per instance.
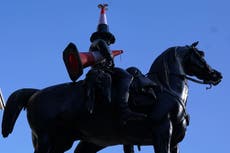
[101, 40]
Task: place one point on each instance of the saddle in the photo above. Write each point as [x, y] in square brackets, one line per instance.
[142, 91]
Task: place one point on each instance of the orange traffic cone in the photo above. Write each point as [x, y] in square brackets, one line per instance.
[75, 61]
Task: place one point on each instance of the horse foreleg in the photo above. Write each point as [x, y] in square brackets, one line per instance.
[175, 149]
[128, 148]
[178, 135]
[87, 147]
[162, 137]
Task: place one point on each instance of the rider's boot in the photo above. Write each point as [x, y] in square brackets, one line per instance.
[123, 83]
[126, 114]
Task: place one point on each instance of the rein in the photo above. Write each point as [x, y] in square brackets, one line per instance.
[189, 78]
[197, 81]
[192, 79]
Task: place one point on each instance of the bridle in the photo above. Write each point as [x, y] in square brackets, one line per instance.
[195, 80]
[184, 76]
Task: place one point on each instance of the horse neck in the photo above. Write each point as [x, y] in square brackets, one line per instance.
[168, 73]
[179, 86]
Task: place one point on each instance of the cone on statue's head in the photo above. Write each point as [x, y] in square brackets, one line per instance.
[103, 28]
[2, 104]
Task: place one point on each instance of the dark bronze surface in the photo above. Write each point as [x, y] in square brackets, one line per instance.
[85, 110]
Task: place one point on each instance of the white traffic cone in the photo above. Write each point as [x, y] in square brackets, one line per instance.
[102, 18]
[103, 28]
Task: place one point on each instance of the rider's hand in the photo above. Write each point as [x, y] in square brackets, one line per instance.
[110, 64]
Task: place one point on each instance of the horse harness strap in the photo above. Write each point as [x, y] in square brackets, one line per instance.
[180, 101]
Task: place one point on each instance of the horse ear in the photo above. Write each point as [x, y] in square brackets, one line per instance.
[195, 44]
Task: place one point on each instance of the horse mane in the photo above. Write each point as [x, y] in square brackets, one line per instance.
[164, 64]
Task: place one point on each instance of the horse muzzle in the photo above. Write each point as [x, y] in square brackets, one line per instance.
[215, 77]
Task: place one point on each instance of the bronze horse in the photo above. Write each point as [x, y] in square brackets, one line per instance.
[59, 115]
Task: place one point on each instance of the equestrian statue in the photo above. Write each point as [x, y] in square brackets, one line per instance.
[111, 105]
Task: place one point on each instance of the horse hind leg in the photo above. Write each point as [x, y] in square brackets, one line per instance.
[87, 147]
[41, 144]
[61, 144]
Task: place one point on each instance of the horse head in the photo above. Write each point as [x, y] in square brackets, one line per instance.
[196, 65]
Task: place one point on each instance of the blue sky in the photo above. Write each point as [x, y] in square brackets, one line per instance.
[33, 35]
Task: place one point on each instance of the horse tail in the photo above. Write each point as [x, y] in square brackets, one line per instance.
[15, 103]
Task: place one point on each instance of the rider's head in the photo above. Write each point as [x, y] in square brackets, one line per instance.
[103, 28]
